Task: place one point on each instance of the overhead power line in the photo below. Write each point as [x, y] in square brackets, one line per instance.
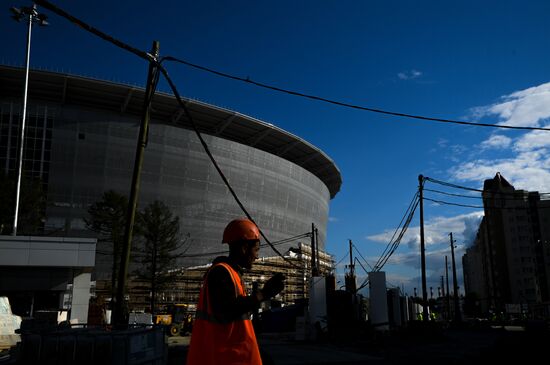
[360, 264]
[87, 27]
[455, 204]
[215, 163]
[342, 259]
[364, 259]
[152, 59]
[445, 183]
[346, 104]
[149, 57]
[483, 207]
[394, 242]
[451, 194]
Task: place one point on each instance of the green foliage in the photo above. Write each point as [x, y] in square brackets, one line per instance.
[32, 205]
[107, 218]
[159, 233]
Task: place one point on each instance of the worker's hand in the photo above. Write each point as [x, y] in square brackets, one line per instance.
[273, 286]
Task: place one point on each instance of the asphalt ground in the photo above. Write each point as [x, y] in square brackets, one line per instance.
[410, 346]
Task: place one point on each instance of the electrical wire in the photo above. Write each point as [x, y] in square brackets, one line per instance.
[483, 207]
[364, 259]
[518, 198]
[401, 234]
[158, 64]
[290, 239]
[151, 58]
[451, 194]
[345, 104]
[342, 259]
[388, 248]
[454, 204]
[360, 264]
[215, 163]
[445, 183]
[394, 243]
[145, 55]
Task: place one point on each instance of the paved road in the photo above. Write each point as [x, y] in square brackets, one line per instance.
[462, 346]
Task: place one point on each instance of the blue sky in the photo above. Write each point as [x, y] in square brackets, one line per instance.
[469, 60]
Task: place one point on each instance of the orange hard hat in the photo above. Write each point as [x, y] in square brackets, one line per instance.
[240, 229]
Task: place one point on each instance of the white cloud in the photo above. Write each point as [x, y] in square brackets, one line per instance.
[527, 164]
[532, 141]
[527, 170]
[525, 108]
[333, 219]
[409, 75]
[496, 141]
[442, 142]
[436, 230]
[399, 265]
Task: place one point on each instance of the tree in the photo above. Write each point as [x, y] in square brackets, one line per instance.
[159, 231]
[107, 218]
[32, 204]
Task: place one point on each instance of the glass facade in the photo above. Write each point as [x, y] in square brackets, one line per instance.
[80, 153]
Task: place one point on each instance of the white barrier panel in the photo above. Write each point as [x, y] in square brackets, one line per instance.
[378, 311]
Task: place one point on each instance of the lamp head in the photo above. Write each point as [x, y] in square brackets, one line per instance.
[16, 13]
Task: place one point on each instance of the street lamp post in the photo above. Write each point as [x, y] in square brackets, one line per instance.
[32, 15]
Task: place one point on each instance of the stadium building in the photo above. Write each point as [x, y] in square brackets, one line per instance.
[81, 138]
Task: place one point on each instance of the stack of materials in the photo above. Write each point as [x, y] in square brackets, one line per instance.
[8, 324]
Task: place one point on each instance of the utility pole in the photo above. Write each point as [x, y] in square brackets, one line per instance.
[447, 297]
[351, 285]
[314, 269]
[425, 315]
[32, 14]
[455, 283]
[317, 250]
[120, 307]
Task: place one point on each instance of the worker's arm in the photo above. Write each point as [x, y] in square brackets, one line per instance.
[225, 306]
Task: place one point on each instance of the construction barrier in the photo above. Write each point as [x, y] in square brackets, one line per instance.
[93, 346]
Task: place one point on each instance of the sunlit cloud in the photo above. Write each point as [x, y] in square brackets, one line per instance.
[436, 230]
[532, 141]
[525, 108]
[527, 170]
[496, 141]
[526, 164]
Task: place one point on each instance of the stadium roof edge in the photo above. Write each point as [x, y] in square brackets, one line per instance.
[70, 89]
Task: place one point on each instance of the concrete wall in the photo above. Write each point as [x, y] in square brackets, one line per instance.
[31, 265]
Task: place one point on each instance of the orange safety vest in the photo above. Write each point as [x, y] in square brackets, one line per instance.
[216, 343]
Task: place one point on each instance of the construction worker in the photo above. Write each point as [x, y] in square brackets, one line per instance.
[222, 331]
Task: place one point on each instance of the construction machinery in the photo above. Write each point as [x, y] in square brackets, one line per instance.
[177, 318]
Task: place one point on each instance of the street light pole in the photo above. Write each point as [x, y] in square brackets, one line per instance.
[33, 16]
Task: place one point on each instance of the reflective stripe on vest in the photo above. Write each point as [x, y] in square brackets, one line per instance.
[215, 343]
[211, 318]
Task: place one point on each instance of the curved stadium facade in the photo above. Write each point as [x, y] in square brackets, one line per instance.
[81, 138]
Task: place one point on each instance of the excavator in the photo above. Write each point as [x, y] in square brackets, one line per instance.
[177, 318]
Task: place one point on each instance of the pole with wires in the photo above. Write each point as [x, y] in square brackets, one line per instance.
[425, 315]
[447, 296]
[120, 310]
[351, 285]
[455, 284]
[314, 268]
